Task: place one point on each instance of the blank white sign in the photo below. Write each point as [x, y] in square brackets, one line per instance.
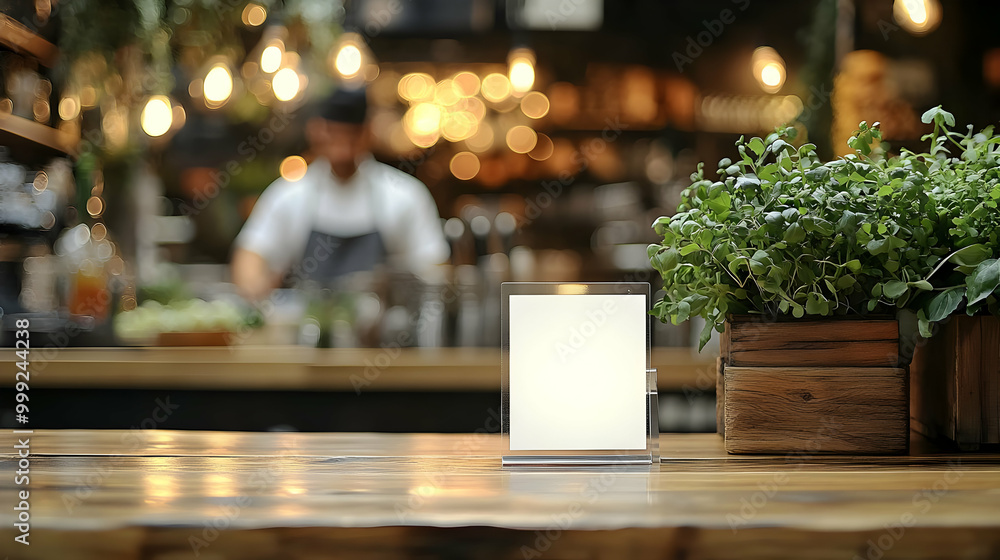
[577, 372]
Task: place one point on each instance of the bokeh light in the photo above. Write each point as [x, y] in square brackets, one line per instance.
[348, 62]
[482, 140]
[464, 165]
[422, 124]
[98, 232]
[496, 88]
[416, 87]
[95, 206]
[772, 75]
[521, 139]
[424, 118]
[270, 58]
[768, 69]
[286, 84]
[918, 17]
[467, 83]
[292, 168]
[69, 108]
[535, 105]
[254, 15]
[157, 116]
[543, 148]
[218, 85]
[521, 70]
[446, 93]
[458, 125]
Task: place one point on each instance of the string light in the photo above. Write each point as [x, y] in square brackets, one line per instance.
[286, 84]
[521, 70]
[352, 60]
[157, 116]
[218, 85]
[254, 15]
[918, 17]
[348, 61]
[270, 58]
[768, 69]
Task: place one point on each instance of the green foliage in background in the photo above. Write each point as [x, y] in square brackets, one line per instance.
[783, 233]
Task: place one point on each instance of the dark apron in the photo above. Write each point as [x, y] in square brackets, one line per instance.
[328, 258]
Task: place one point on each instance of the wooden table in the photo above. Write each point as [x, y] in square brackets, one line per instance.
[219, 495]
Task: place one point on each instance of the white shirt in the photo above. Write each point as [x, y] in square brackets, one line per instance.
[378, 197]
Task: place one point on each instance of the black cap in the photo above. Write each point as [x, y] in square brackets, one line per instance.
[345, 105]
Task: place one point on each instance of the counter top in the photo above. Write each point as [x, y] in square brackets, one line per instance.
[297, 368]
[390, 494]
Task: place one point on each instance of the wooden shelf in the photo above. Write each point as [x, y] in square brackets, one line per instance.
[18, 130]
[18, 37]
[262, 368]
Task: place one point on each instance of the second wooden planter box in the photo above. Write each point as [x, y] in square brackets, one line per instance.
[956, 383]
[813, 387]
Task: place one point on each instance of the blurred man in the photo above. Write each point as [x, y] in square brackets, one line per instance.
[348, 213]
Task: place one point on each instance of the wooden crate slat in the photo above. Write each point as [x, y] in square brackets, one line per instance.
[827, 343]
[864, 353]
[968, 371]
[816, 410]
[930, 410]
[776, 335]
[950, 353]
[990, 379]
[720, 397]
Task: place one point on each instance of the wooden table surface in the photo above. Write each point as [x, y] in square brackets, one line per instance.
[296, 368]
[171, 494]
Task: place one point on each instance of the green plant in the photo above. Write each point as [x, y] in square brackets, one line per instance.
[965, 189]
[781, 232]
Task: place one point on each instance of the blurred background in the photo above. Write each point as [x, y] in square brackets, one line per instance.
[137, 136]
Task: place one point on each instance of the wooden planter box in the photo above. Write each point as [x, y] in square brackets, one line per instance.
[955, 380]
[812, 387]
